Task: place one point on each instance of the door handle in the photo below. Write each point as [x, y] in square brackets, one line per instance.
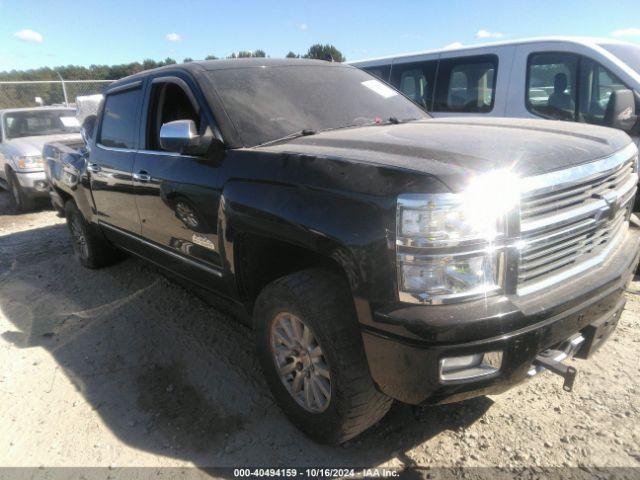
[142, 176]
[94, 167]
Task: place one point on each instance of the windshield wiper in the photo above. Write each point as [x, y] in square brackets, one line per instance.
[388, 121]
[300, 133]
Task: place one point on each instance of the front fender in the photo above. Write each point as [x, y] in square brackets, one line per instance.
[353, 230]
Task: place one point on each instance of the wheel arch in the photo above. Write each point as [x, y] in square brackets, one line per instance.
[260, 259]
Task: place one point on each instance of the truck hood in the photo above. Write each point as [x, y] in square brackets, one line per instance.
[455, 150]
[31, 146]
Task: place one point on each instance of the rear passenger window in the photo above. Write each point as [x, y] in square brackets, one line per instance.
[551, 85]
[466, 84]
[382, 72]
[416, 81]
[119, 127]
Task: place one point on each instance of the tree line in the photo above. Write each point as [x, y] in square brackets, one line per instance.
[114, 72]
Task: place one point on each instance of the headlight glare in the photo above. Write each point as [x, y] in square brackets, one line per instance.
[476, 214]
[442, 220]
[448, 244]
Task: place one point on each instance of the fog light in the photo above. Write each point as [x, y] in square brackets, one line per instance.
[40, 185]
[469, 367]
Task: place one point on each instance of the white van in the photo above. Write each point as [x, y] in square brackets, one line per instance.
[575, 79]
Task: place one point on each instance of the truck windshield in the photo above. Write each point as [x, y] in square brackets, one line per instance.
[629, 54]
[28, 123]
[269, 103]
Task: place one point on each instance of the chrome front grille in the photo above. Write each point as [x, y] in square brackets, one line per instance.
[539, 206]
[572, 219]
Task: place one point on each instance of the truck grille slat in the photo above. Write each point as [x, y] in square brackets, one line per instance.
[566, 198]
[573, 222]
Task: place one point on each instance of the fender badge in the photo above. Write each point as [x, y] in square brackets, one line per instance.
[203, 242]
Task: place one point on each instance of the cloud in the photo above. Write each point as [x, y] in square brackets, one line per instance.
[453, 45]
[173, 37]
[303, 26]
[626, 32]
[487, 34]
[28, 35]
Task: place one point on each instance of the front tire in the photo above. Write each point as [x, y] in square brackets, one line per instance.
[20, 200]
[310, 348]
[89, 246]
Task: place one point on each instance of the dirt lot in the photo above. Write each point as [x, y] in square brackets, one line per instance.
[123, 367]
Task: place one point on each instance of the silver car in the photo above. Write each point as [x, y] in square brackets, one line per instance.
[23, 132]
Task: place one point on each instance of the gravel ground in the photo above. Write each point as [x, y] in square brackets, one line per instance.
[123, 367]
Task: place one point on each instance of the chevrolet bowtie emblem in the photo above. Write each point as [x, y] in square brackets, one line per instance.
[612, 204]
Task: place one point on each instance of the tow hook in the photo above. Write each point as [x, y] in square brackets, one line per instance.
[547, 360]
[551, 359]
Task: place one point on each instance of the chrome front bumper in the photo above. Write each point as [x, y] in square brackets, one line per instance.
[36, 181]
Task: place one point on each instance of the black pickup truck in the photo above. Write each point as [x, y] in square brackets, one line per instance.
[381, 254]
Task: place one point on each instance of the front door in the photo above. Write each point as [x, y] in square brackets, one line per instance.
[178, 195]
[111, 161]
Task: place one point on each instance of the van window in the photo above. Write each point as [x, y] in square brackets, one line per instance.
[466, 84]
[596, 85]
[551, 85]
[416, 80]
[119, 122]
[382, 72]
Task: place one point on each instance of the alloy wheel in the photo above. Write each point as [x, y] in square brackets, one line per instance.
[300, 362]
[78, 236]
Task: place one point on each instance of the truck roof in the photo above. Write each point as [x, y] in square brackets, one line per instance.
[31, 109]
[465, 48]
[234, 63]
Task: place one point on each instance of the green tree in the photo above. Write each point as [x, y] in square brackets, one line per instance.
[292, 55]
[325, 52]
[211, 57]
[248, 54]
[187, 60]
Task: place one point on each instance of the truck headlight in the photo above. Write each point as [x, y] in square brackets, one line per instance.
[448, 245]
[30, 162]
[449, 275]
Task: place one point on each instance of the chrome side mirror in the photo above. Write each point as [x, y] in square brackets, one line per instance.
[179, 135]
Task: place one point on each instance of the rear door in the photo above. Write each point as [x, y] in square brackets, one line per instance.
[111, 161]
[178, 195]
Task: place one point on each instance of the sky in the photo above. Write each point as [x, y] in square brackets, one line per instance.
[49, 33]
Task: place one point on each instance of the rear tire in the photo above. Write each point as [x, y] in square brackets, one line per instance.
[316, 302]
[20, 200]
[89, 245]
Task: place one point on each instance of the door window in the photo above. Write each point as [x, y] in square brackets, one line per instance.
[552, 85]
[596, 85]
[168, 102]
[382, 72]
[119, 122]
[416, 81]
[466, 84]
